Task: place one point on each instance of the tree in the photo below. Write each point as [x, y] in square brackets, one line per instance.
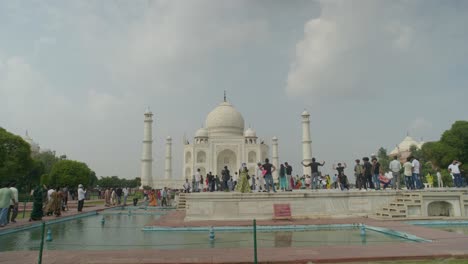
[383, 159]
[15, 159]
[115, 181]
[48, 159]
[69, 173]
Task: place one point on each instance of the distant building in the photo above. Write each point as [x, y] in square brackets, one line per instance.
[402, 150]
[35, 149]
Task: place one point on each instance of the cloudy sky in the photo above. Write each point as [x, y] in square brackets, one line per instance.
[79, 74]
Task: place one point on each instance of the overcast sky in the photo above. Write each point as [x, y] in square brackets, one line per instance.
[79, 74]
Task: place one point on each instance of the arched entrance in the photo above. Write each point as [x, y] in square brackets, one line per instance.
[227, 158]
[440, 208]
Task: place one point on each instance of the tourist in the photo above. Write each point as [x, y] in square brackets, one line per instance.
[282, 178]
[235, 178]
[125, 194]
[217, 183]
[269, 169]
[340, 168]
[314, 171]
[186, 186]
[359, 174]
[253, 183]
[440, 184]
[107, 197]
[65, 197]
[225, 177]
[408, 172]
[13, 210]
[55, 203]
[376, 173]
[335, 181]
[152, 198]
[6, 196]
[243, 185]
[164, 197]
[289, 181]
[416, 168]
[49, 207]
[343, 181]
[429, 180]
[383, 179]
[454, 169]
[196, 186]
[395, 167]
[211, 182]
[118, 192]
[81, 197]
[207, 183]
[38, 203]
[136, 197]
[328, 181]
[260, 178]
[367, 166]
[49, 193]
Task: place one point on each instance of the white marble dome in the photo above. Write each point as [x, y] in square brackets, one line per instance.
[250, 133]
[201, 133]
[225, 120]
[405, 145]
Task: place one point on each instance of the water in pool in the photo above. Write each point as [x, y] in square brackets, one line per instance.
[123, 231]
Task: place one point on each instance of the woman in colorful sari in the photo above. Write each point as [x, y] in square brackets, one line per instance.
[282, 178]
[37, 195]
[152, 198]
[243, 186]
[55, 203]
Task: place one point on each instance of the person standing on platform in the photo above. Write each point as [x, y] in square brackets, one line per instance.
[225, 177]
[367, 166]
[260, 178]
[211, 182]
[359, 174]
[376, 173]
[243, 185]
[118, 192]
[395, 167]
[314, 171]
[269, 169]
[454, 169]
[186, 186]
[235, 178]
[164, 197]
[416, 169]
[289, 179]
[440, 184]
[196, 186]
[81, 197]
[107, 197]
[408, 168]
[282, 178]
[340, 169]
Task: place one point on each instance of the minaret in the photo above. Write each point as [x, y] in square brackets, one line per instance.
[147, 157]
[306, 142]
[168, 171]
[275, 157]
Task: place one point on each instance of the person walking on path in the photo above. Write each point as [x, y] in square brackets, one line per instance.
[368, 172]
[454, 169]
[164, 197]
[125, 195]
[269, 169]
[282, 178]
[13, 210]
[395, 167]
[289, 180]
[38, 203]
[408, 172]
[314, 171]
[6, 195]
[81, 197]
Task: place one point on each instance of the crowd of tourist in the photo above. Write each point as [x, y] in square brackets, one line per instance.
[368, 174]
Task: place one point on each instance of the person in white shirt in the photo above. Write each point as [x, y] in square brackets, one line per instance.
[13, 210]
[186, 186]
[439, 179]
[261, 180]
[49, 193]
[454, 169]
[417, 181]
[408, 172]
[81, 197]
[197, 181]
[395, 167]
[125, 193]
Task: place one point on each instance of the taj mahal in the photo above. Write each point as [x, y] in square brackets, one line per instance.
[223, 141]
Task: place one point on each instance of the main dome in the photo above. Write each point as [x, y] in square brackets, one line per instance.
[225, 120]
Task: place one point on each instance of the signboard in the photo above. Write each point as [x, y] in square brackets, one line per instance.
[282, 211]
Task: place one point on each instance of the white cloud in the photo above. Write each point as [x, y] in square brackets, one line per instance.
[355, 47]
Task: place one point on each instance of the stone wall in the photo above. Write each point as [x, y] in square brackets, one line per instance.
[304, 204]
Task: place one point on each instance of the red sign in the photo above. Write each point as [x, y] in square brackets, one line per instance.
[282, 211]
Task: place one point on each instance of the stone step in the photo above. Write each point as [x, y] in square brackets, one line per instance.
[398, 204]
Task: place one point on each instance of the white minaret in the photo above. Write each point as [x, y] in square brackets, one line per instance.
[168, 171]
[306, 142]
[147, 157]
[275, 157]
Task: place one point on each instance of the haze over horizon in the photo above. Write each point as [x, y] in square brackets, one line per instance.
[79, 75]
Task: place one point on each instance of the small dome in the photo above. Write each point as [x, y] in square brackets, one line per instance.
[250, 133]
[201, 133]
[274, 139]
[305, 113]
[225, 120]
